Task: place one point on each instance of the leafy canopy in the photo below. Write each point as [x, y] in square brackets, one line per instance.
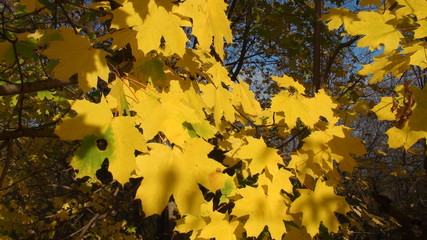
[161, 113]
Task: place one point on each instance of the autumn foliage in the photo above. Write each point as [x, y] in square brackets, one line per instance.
[135, 97]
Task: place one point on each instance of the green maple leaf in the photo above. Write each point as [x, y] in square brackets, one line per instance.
[121, 139]
[94, 125]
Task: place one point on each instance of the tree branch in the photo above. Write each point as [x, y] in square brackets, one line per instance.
[244, 49]
[12, 89]
[19, 30]
[317, 39]
[334, 55]
[28, 132]
[7, 163]
[84, 230]
[231, 7]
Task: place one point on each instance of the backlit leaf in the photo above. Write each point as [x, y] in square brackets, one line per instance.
[209, 23]
[378, 32]
[172, 171]
[78, 56]
[319, 206]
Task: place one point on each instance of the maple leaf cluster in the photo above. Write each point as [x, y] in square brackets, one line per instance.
[168, 114]
[399, 31]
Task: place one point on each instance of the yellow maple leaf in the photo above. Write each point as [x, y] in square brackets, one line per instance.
[78, 56]
[209, 21]
[231, 145]
[243, 96]
[281, 180]
[304, 168]
[297, 234]
[288, 82]
[205, 226]
[405, 137]
[92, 119]
[261, 157]
[413, 7]
[308, 110]
[417, 53]
[153, 20]
[353, 113]
[383, 109]
[392, 63]
[377, 31]
[337, 17]
[267, 209]
[421, 31]
[415, 127]
[120, 96]
[193, 100]
[150, 69]
[316, 149]
[343, 146]
[196, 61]
[152, 108]
[319, 206]
[220, 227]
[321, 148]
[121, 38]
[313, 159]
[189, 223]
[218, 74]
[218, 100]
[121, 139]
[172, 171]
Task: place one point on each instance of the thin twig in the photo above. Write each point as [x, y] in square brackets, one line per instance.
[334, 55]
[84, 230]
[25, 178]
[244, 48]
[70, 21]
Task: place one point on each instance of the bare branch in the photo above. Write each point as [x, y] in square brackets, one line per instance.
[317, 45]
[244, 49]
[334, 55]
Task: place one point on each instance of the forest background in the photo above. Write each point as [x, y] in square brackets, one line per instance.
[165, 119]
